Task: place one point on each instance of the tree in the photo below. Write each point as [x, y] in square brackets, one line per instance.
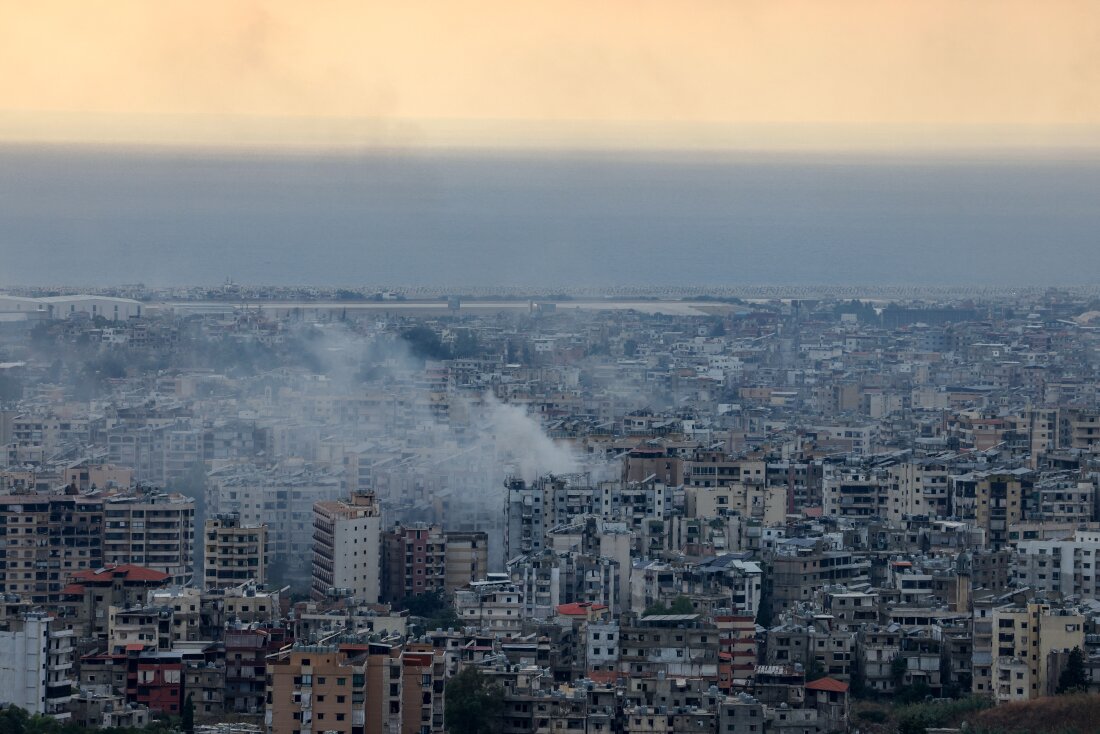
[473, 704]
[856, 680]
[764, 610]
[435, 608]
[681, 605]
[898, 666]
[1073, 677]
[187, 718]
[425, 344]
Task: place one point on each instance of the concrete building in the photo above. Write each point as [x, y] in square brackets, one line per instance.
[1025, 642]
[466, 559]
[234, 553]
[797, 575]
[36, 663]
[151, 529]
[414, 561]
[348, 689]
[46, 539]
[347, 548]
[495, 605]
[94, 592]
[282, 498]
[1067, 567]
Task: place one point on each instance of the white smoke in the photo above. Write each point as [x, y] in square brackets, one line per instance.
[522, 442]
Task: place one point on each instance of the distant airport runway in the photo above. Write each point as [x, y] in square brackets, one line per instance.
[283, 309]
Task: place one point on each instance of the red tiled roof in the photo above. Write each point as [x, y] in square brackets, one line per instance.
[128, 572]
[579, 608]
[603, 676]
[72, 590]
[827, 684]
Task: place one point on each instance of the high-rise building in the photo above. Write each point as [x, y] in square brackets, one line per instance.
[46, 539]
[1025, 643]
[1066, 567]
[344, 689]
[233, 553]
[413, 561]
[347, 537]
[37, 655]
[155, 530]
[467, 559]
[422, 689]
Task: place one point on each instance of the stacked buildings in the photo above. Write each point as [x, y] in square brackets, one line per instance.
[720, 517]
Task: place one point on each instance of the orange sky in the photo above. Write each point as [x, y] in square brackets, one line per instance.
[674, 73]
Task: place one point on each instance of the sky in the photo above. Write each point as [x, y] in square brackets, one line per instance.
[495, 73]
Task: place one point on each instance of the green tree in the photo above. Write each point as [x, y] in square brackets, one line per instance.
[898, 666]
[764, 612]
[681, 605]
[435, 608]
[856, 680]
[425, 343]
[187, 718]
[1073, 677]
[474, 704]
[13, 720]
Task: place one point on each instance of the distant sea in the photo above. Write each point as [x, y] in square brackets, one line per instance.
[86, 216]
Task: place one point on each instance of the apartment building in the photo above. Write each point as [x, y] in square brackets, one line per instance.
[466, 558]
[919, 487]
[414, 561]
[670, 646]
[350, 688]
[151, 529]
[763, 504]
[993, 500]
[247, 647]
[95, 591]
[234, 553]
[495, 605]
[47, 538]
[1067, 567]
[854, 495]
[347, 548]
[37, 655]
[1026, 641]
[422, 689]
[280, 497]
[797, 576]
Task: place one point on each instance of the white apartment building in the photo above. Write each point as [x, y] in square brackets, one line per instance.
[347, 548]
[36, 664]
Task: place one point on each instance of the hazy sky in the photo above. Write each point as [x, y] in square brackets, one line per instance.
[745, 73]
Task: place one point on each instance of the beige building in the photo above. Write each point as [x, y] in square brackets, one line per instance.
[85, 476]
[347, 548]
[494, 605]
[47, 539]
[854, 495]
[155, 530]
[918, 488]
[345, 689]
[768, 505]
[994, 501]
[467, 559]
[1024, 642]
[234, 553]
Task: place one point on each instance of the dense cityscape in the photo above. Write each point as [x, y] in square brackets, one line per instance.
[395, 511]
